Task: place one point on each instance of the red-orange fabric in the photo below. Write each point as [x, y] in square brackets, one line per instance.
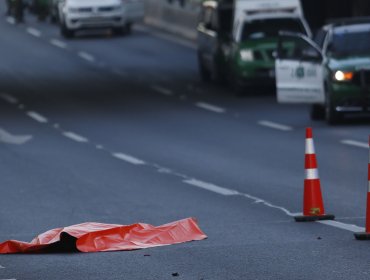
[97, 237]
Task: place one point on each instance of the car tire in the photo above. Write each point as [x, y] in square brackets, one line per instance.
[238, 89]
[317, 112]
[128, 28]
[66, 32]
[205, 74]
[332, 116]
[119, 31]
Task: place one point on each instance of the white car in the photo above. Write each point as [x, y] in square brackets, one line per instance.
[118, 15]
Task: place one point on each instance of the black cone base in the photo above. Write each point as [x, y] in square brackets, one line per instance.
[314, 218]
[362, 235]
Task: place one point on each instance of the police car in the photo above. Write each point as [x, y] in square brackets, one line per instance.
[332, 73]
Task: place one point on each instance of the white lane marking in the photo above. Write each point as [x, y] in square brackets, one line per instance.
[228, 192]
[58, 43]
[344, 226]
[8, 98]
[210, 107]
[162, 90]
[21, 106]
[34, 32]
[11, 20]
[88, 57]
[8, 138]
[268, 204]
[210, 187]
[355, 143]
[128, 158]
[75, 137]
[37, 117]
[99, 147]
[1, 266]
[274, 125]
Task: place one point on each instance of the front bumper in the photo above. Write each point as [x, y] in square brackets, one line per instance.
[255, 74]
[111, 20]
[350, 98]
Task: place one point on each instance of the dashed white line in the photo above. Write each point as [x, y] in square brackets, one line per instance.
[34, 32]
[11, 20]
[162, 90]
[210, 107]
[274, 125]
[355, 143]
[21, 106]
[37, 117]
[86, 56]
[1, 266]
[210, 187]
[128, 158]
[75, 137]
[8, 98]
[58, 43]
[8, 138]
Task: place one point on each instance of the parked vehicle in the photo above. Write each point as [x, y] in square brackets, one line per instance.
[118, 15]
[238, 40]
[332, 73]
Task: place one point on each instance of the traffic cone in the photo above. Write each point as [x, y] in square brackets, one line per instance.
[366, 235]
[313, 205]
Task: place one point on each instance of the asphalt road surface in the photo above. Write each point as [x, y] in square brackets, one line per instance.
[121, 130]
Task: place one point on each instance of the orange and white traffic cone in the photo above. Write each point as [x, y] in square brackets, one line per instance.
[366, 235]
[313, 205]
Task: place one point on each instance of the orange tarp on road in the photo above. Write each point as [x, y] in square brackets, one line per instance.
[97, 237]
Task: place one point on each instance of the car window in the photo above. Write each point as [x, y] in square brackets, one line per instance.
[267, 28]
[350, 43]
[296, 48]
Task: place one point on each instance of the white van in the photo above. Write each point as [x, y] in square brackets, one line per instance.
[118, 15]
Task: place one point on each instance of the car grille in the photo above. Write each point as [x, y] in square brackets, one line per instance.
[85, 10]
[105, 9]
[362, 78]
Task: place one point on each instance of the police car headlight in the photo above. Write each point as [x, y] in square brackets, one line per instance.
[247, 55]
[343, 76]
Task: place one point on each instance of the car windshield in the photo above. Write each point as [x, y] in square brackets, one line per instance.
[346, 43]
[268, 28]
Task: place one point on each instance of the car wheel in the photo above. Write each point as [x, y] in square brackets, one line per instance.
[332, 116]
[65, 31]
[238, 89]
[128, 28]
[317, 112]
[205, 75]
[120, 31]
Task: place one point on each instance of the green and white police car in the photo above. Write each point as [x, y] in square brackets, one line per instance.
[332, 72]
